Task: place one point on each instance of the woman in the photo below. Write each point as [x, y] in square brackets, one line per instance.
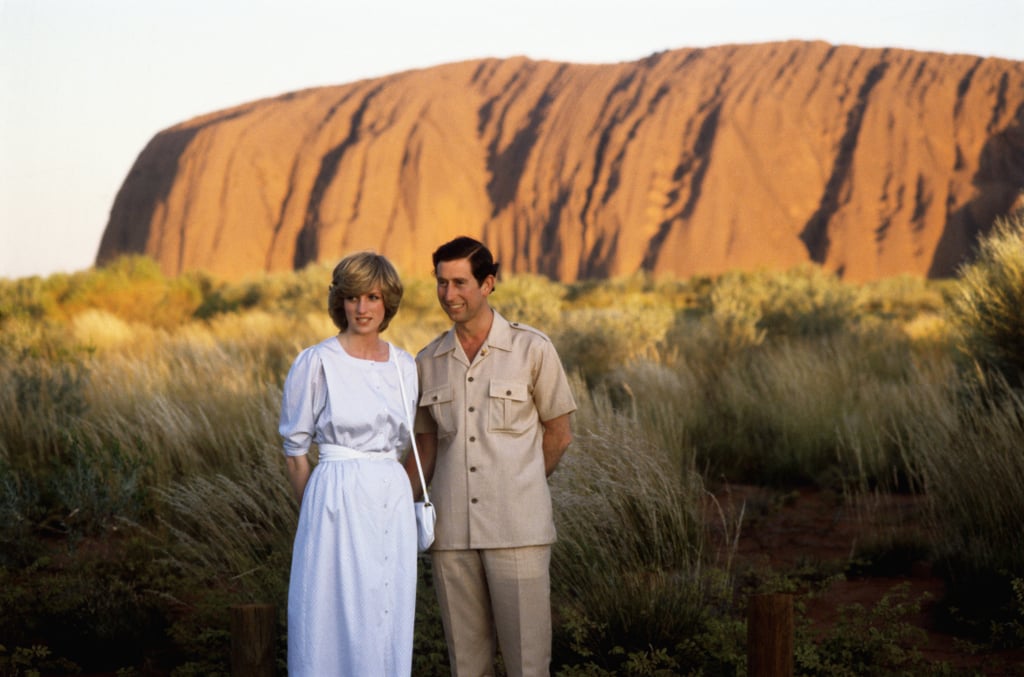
[352, 594]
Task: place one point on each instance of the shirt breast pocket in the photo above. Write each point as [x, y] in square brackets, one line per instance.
[510, 407]
[439, 401]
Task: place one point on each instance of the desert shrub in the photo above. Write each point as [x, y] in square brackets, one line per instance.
[987, 307]
[34, 660]
[80, 491]
[878, 641]
[608, 293]
[930, 333]
[731, 326]
[807, 301]
[638, 289]
[94, 487]
[530, 299]
[740, 311]
[804, 301]
[32, 298]
[595, 341]
[131, 288]
[903, 297]
[134, 289]
[288, 293]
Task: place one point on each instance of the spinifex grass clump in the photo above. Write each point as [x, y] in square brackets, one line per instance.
[631, 556]
[988, 304]
[973, 474]
[793, 411]
[232, 531]
[968, 462]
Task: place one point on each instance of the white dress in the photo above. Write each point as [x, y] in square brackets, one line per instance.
[352, 593]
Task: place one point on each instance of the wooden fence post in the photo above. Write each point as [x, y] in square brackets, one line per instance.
[253, 636]
[770, 636]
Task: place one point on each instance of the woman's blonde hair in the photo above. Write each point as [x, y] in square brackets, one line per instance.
[358, 274]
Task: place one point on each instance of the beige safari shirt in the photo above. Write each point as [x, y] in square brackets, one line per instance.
[489, 487]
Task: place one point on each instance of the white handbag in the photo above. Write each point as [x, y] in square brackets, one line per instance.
[425, 514]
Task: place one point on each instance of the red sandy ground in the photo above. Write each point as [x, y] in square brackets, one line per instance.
[816, 529]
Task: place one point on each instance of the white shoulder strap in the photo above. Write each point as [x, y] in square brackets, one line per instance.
[412, 431]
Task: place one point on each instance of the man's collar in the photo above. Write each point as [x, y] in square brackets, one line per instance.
[501, 333]
[499, 337]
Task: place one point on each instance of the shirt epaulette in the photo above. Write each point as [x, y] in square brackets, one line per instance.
[525, 327]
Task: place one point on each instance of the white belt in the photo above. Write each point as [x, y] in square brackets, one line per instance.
[336, 452]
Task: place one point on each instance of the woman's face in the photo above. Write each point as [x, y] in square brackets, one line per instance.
[365, 312]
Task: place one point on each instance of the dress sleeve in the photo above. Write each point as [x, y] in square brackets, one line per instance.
[304, 398]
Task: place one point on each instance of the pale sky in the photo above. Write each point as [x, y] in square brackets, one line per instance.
[85, 84]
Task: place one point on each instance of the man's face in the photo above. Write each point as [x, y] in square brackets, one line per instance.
[460, 295]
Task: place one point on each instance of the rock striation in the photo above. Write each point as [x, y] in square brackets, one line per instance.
[870, 162]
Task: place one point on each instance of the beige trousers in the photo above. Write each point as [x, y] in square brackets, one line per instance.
[492, 598]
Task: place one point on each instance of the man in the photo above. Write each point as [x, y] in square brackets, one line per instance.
[492, 424]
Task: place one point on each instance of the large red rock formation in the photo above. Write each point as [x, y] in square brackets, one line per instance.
[870, 162]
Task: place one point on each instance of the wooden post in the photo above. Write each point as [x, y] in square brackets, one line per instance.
[770, 636]
[253, 636]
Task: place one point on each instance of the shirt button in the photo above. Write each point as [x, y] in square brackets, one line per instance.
[472, 409]
[508, 392]
[472, 468]
[472, 500]
[470, 379]
[472, 439]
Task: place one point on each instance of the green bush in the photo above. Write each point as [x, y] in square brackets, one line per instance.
[867, 641]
